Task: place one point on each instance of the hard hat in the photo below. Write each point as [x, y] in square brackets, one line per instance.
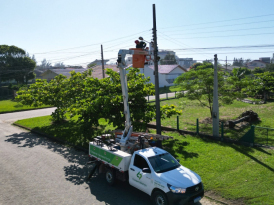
[137, 42]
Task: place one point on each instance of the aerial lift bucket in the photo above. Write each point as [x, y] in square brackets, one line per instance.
[138, 60]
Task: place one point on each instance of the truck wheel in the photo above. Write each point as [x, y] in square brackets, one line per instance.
[110, 177]
[159, 198]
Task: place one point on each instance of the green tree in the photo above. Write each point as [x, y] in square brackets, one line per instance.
[199, 86]
[169, 59]
[15, 64]
[105, 100]
[258, 70]
[195, 65]
[91, 65]
[238, 62]
[270, 67]
[91, 99]
[47, 93]
[261, 85]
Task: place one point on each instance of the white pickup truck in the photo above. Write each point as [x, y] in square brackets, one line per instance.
[151, 170]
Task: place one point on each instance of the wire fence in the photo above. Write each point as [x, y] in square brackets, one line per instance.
[164, 96]
[264, 136]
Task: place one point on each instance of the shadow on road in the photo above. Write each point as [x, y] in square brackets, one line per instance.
[76, 173]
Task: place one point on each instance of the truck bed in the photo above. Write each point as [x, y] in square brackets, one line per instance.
[115, 158]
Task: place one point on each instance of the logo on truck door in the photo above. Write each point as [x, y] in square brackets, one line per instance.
[139, 176]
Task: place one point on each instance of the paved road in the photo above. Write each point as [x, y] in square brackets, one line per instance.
[35, 170]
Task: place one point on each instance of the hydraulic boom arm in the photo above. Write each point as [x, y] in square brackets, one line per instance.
[121, 65]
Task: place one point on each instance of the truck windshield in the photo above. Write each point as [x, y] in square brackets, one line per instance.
[163, 163]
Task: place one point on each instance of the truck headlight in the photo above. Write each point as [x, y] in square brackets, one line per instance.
[176, 190]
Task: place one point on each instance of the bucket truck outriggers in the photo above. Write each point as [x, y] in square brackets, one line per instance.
[131, 156]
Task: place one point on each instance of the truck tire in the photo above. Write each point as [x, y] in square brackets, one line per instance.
[110, 177]
[159, 198]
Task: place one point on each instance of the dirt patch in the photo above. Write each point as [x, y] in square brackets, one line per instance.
[218, 198]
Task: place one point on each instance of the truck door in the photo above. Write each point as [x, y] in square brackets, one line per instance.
[137, 177]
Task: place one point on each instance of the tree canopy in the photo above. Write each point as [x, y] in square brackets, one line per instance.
[90, 98]
[169, 59]
[198, 84]
[15, 64]
[262, 84]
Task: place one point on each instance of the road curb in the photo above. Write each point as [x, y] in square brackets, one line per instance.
[24, 110]
[52, 138]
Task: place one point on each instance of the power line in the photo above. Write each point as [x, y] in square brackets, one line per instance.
[92, 44]
[219, 21]
[228, 36]
[229, 52]
[174, 40]
[229, 47]
[226, 30]
[222, 26]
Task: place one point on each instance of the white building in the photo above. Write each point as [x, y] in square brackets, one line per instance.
[256, 63]
[186, 62]
[162, 53]
[167, 73]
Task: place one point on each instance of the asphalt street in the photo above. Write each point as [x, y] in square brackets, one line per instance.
[35, 170]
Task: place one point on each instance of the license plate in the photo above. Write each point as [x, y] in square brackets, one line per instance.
[197, 199]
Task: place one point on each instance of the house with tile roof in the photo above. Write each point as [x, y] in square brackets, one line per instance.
[51, 73]
[167, 73]
[256, 63]
[98, 73]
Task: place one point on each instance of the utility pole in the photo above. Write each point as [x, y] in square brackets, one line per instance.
[102, 56]
[157, 99]
[215, 107]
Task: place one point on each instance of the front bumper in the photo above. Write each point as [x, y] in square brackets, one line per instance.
[187, 198]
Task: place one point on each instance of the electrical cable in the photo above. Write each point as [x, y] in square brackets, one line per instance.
[92, 44]
[222, 26]
[227, 36]
[225, 30]
[219, 21]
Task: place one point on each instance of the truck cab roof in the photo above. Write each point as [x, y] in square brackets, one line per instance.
[150, 152]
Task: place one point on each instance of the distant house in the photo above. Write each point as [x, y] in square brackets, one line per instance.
[186, 62]
[256, 63]
[167, 73]
[99, 62]
[38, 73]
[229, 68]
[51, 73]
[98, 73]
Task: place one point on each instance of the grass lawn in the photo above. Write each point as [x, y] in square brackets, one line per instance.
[169, 89]
[232, 171]
[10, 106]
[69, 131]
[192, 111]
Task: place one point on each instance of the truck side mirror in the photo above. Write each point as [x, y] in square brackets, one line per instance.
[146, 170]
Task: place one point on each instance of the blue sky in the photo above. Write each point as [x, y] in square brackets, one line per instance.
[72, 31]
